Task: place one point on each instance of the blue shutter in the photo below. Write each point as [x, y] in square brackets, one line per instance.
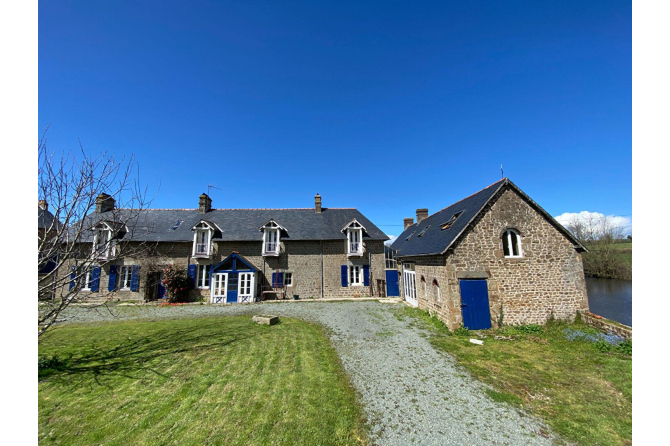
[95, 279]
[345, 278]
[366, 275]
[111, 285]
[277, 280]
[73, 276]
[135, 279]
[191, 274]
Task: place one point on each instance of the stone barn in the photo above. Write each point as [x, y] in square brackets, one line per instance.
[493, 258]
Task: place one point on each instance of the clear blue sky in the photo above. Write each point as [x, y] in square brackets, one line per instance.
[382, 106]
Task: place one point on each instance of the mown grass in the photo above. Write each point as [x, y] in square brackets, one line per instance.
[223, 380]
[585, 395]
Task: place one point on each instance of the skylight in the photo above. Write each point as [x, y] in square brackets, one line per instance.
[176, 225]
[424, 231]
[447, 224]
[410, 236]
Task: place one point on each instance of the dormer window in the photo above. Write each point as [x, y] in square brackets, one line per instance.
[202, 239]
[104, 247]
[354, 233]
[271, 238]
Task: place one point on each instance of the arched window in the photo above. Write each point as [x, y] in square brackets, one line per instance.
[438, 294]
[511, 241]
[424, 287]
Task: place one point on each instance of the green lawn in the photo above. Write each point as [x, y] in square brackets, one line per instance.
[223, 380]
[585, 395]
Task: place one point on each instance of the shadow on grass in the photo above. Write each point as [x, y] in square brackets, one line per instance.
[137, 356]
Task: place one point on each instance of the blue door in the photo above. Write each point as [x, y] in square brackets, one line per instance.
[232, 288]
[475, 304]
[392, 282]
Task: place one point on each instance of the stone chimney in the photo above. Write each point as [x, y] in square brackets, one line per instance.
[408, 222]
[421, 214]
[43, 205]
[317, 203]
[104, 203]
[205, 203]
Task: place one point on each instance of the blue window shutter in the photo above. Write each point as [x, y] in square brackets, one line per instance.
[274, 280]
[111, 285]
[73, 276]
[191, 274]
[366, 275]
[95, 279]
[345, 278]
[280, 280]
[135, 278]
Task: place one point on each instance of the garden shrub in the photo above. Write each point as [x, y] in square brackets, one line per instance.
[177, 284]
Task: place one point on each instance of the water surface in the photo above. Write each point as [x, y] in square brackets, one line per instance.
[611, 298]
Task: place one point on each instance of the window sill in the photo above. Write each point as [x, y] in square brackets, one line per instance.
[270, 254]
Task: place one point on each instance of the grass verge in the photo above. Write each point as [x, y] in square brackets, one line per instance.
[223, 380]
[583, 393]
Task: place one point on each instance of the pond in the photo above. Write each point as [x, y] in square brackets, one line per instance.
[611, 298]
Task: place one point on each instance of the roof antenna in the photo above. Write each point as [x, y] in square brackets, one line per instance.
[210, 187]
[501, 173]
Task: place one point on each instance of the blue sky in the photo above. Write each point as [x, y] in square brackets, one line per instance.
[382, 106]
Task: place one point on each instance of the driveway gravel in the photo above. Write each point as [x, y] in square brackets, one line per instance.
[412, 393]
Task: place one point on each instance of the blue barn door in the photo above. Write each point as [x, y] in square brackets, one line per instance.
[475, 304]
[392, 282]
[232, 288]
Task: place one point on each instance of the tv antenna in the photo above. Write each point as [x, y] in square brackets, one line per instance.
[210, 187]
[501, 172]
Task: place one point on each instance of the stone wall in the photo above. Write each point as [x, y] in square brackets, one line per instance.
[607, 326]
[316, 268]
[548, 280]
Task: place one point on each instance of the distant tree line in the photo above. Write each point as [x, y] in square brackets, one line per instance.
[606, 258]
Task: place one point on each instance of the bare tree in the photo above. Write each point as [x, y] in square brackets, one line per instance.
[600, 235]
[88, 208]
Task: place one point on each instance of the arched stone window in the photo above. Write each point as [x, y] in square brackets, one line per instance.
[424, 287]
[438, 293]
[511, 240]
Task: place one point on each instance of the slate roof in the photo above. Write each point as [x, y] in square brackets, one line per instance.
[156, 225]
[46, 220]
[428, 237]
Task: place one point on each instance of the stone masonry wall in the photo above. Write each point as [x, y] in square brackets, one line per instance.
[316, 268]
[548, 280]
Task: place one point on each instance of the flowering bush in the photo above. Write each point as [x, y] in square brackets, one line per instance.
[177, 284]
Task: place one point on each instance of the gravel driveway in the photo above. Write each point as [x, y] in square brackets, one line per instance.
[412, 393]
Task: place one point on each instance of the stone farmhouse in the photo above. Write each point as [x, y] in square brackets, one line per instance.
[231, 255]
[494, 257]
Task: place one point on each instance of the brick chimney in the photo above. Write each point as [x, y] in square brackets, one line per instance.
[104, 203]
[43, 205]
[317, 203]
[421, 214]
[205, 203]
[408, 222]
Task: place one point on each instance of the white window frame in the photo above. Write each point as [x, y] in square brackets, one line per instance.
[354, 232]
[508, 242]
[197, 241]
[105, 249]
[271, 235]
[87, 279]
[355, 275]
[125, 276]
[288, 278]
[202, 276]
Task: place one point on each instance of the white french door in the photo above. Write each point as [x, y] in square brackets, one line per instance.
[219, 288]
[409, 284]
[246, 287]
